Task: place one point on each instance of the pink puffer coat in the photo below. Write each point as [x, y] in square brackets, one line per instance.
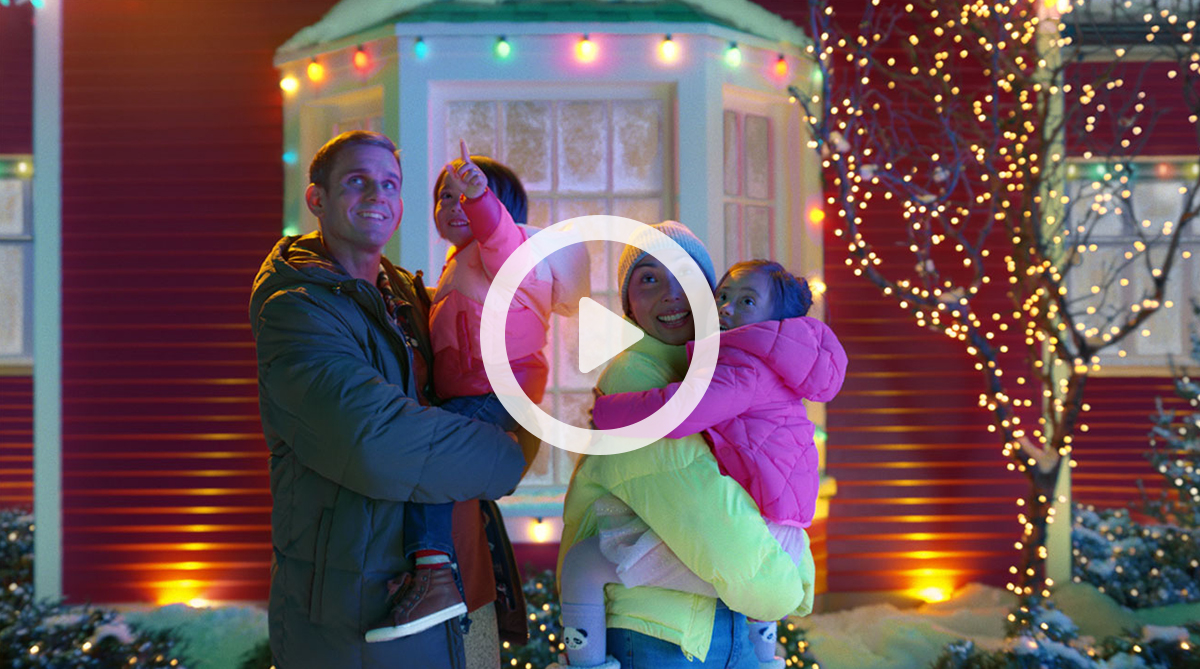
[752, 412]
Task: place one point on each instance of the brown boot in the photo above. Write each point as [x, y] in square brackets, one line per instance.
[418, 601]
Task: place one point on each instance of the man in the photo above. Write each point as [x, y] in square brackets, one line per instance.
[343, 353]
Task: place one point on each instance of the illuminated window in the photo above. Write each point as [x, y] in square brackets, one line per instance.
[1111, 269]
[16, 261]
[750, 206]
[599, 153]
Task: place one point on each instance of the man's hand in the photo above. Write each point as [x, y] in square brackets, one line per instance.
[470, 178]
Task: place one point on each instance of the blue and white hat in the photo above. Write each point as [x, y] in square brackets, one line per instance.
[676, 231]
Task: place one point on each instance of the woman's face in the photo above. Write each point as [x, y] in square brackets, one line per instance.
[658, 304]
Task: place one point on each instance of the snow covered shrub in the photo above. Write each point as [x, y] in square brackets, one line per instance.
[53, 635]
[1042, 637]
[1137, 565]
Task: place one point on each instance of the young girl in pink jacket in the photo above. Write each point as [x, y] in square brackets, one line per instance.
[475, 201]
[772, 357]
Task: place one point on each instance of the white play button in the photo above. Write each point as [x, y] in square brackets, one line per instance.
[602, 334]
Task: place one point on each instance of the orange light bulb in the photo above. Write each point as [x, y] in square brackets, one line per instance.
[585, 50]
[781, 67]
[316, 71]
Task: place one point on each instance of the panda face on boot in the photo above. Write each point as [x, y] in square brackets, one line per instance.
[574, 639]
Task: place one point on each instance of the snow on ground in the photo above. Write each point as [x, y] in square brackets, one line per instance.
[881, 636]
[886, 637]
[212, 637]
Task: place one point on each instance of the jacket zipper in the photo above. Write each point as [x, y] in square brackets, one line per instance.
[379, 310]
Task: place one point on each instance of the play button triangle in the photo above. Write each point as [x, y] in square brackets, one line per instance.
[602, 334]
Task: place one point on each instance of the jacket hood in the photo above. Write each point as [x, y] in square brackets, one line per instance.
[777, 343]
[295, 260]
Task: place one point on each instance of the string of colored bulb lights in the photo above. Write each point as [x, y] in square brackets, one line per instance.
[586, 51]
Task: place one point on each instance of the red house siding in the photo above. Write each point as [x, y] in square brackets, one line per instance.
[16, 137]
[16, 442]
[171, 198]
[16, 68]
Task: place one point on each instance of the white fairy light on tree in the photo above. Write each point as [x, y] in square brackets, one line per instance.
[966, 120]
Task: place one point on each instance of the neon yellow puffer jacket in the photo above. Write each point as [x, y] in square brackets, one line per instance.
[707, 519]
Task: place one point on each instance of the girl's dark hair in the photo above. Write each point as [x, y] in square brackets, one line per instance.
[503, 182]
[322, 163]
[791, 296]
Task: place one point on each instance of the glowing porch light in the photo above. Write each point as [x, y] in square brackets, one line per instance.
[179, 592]
[585, 50]
[503, 48]
[817, 286]
[289, 84]
[933, 594]
[420, 48]
[315, 71]
[668, 50]
[540, 531]
[361, 59]
[816, 215]
[733, 55]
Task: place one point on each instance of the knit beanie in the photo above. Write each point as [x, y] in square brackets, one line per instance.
[677, 232]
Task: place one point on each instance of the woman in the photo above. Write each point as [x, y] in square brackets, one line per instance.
[676, 487]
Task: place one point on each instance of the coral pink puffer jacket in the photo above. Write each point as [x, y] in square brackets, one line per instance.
[752, 411]
[454, 318]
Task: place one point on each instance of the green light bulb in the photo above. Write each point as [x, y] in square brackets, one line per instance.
[503, 48]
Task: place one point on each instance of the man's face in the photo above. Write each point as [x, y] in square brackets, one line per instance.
[361, 209]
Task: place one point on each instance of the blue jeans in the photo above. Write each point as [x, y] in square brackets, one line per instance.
[427, 526]
[486, 408]
[730, 647]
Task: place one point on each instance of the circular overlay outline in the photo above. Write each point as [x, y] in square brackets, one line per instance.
[538, 247]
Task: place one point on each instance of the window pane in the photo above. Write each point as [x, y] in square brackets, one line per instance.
[642, 210]
[758, 233]
[758, 157]
[12, 207]
[581, 207]
[1167, 327]
[527, 143]
[583, 147]
[574, 408]
[12, 298]
[637, 146]
[733, 234]
[567, 373]
[539, 213]
[473, 121]
[732, 183]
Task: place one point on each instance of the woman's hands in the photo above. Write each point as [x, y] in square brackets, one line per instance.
[471, 180]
